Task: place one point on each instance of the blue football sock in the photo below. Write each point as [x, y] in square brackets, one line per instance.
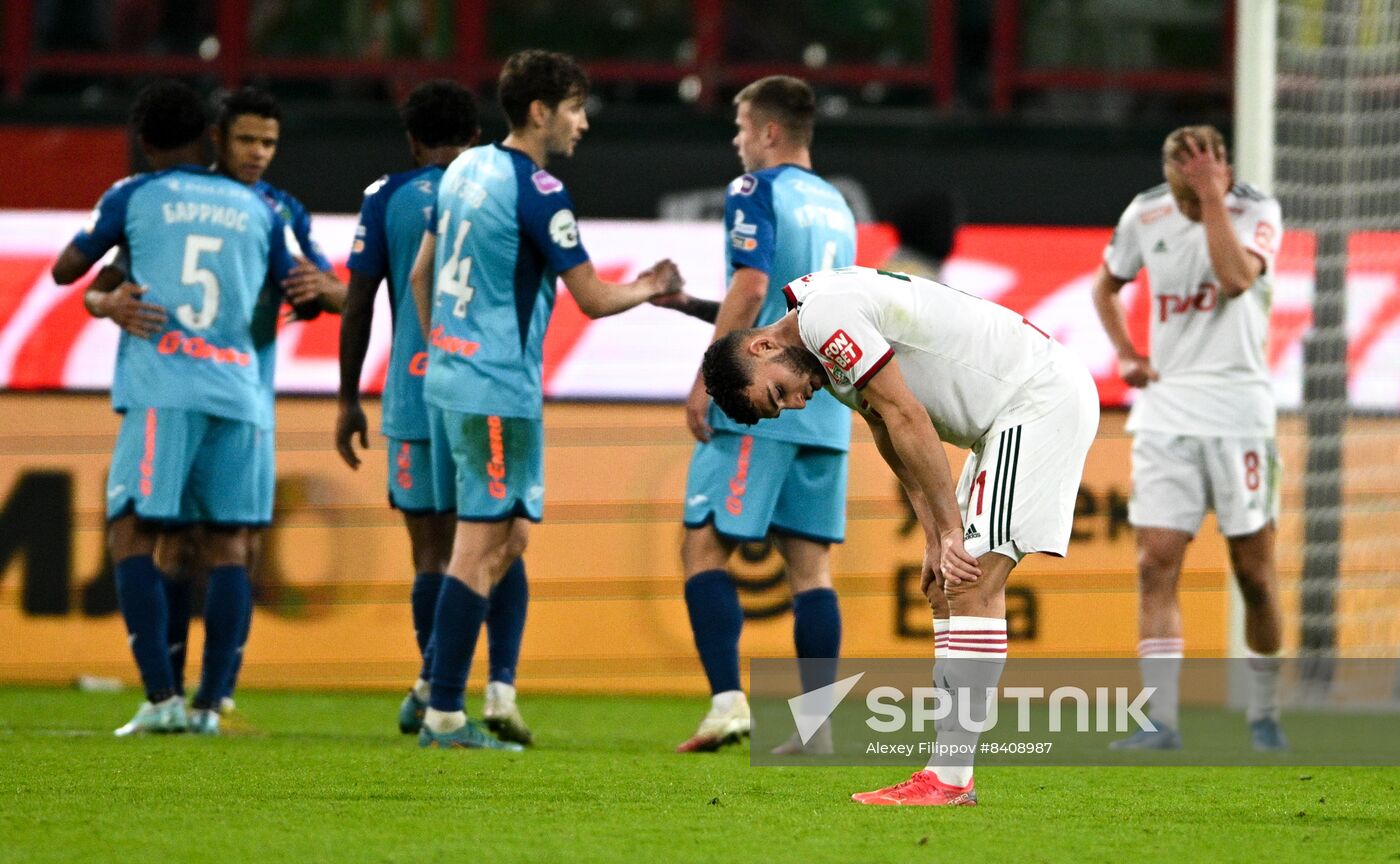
[223, 627]
[142, 599]
[456, 627]
[816, 632]
[505, 623]
[716, 620]
[424, 601]
[245, 626]
[178, 594]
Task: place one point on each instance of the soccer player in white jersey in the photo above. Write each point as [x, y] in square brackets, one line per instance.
[1203, 425]
[924, 363]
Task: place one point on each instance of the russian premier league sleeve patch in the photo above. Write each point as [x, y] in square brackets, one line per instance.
[545, 182]
[841, 350]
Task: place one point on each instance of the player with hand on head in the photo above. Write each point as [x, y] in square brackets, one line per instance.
[1203, 424]
[201, 247]
[503, 229]
[782, 221]
[923, 364]
[440, 121]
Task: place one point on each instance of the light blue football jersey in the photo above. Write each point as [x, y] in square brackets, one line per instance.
[394, 214]
[788, 222]
[204, 246]
[297, 234]
[505, 230]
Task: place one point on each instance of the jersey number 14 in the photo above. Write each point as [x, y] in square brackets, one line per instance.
[452, 279]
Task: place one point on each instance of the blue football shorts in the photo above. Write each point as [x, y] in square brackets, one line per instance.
[748, 485]
[179, 467]
[496, 467]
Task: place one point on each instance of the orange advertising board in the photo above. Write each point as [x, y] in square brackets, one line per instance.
[607, 611]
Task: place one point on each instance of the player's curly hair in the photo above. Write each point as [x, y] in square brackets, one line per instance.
[727, 377]
[168, 114]
[440, 113]
[533, 74]
[247, 100]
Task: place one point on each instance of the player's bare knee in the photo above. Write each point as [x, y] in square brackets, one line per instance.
[1256, 585]
[703, 549]
[516, 541]
[225, 546]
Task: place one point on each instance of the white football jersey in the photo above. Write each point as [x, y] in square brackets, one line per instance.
[963, 357]
[1210, 350]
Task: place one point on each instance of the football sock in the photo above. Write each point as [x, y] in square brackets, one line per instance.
[1263, 686]
[1160, 662]
[456, 627]
[716, 621]
[505, 623]
[142, 599]
[940, 661]
[422, 689]
[223, 628]
[816, 633]
[245, 625]
[976, 657]
[424, 600]
[179, 592]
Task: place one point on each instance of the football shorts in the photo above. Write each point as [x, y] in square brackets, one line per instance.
[496, 468]
[1020, 481]
[179, 467]
[748, 485]
[411, 472]
[1176, 478]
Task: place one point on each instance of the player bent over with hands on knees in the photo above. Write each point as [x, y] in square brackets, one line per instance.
[1203, 425]
[501, 231]
[923, 364]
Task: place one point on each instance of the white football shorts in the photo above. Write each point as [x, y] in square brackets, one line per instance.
[1021, 479]
[1177, 477]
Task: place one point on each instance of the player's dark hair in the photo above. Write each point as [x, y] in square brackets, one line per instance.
[533, 74]
[727, 378]
[440, 113]
[247, 100]
[785, 100]
[168, 114]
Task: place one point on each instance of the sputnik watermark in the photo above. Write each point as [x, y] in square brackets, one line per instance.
[1105, 709]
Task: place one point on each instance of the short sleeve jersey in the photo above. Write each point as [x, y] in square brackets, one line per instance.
[204, 246]
[964, 358]
[392, 220]
[297, 236]
[505, 230]
[786, 222]
[1210, 350]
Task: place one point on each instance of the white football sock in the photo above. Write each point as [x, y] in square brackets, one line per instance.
[1263, 686]
[723, 703]
[1159, 659]
[976, 657]
[442, 722]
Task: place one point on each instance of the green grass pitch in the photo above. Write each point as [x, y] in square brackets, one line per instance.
[327, 777]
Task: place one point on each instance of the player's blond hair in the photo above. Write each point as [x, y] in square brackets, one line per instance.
[785, 100]
[1175, 145]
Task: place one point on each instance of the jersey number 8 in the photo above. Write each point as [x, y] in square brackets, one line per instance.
[452, 279]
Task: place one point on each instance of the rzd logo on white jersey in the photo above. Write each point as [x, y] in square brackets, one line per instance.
[842, 350]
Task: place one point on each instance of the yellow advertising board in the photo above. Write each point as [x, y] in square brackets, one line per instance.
[607, 612]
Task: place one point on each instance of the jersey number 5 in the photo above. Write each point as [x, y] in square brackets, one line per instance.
[193, 274]
[452, 279]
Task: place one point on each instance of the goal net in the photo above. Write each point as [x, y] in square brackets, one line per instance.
[1337, 175]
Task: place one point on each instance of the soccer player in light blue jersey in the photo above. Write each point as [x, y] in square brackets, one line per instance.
[201, 246]
[245, 139]
[784, 477]
[440, 120]
[502, 231]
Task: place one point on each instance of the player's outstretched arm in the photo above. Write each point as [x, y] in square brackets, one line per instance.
[1208, 175]
[1135, 369]
[599, 299]
[421, 278]
[920, 450]
[355, 324]
[748, 288]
